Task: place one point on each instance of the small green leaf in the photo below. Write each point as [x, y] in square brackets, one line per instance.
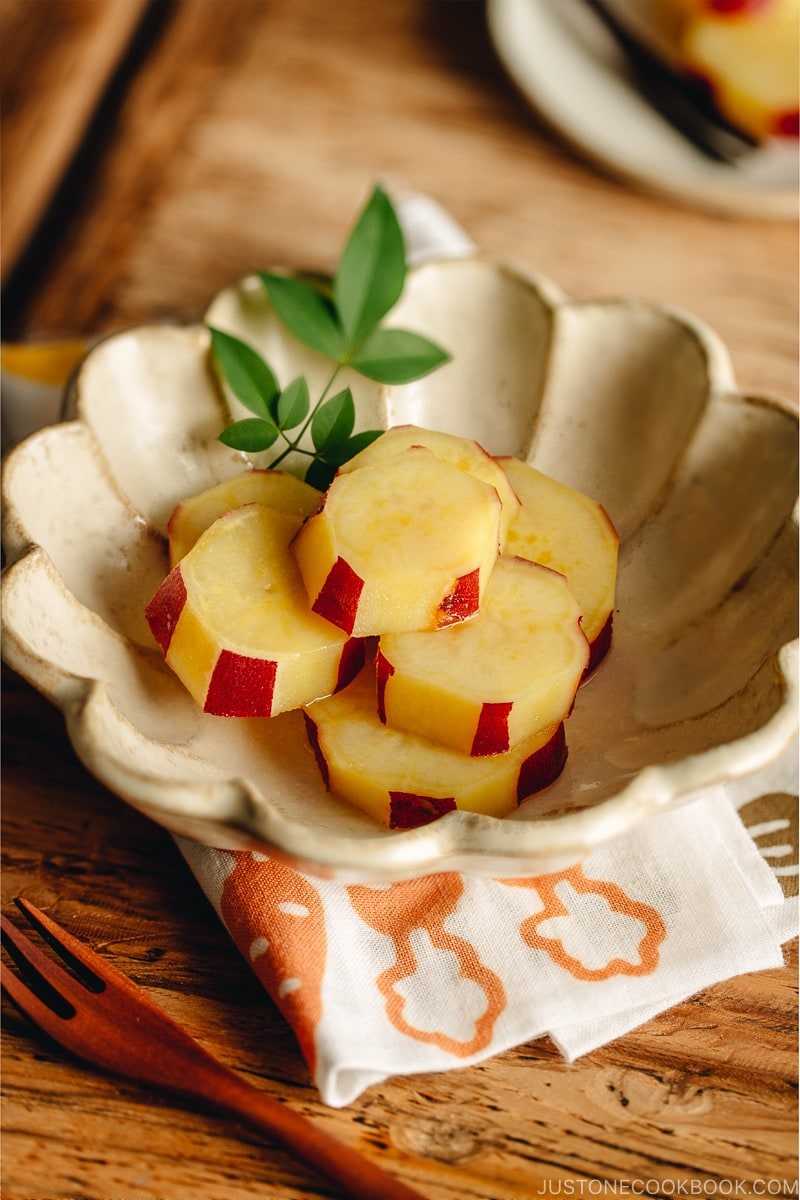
[320, 474]
[371, 271]
[343, 452]
[245, 372]
[398, 356]
[360, 441]
[333, 421]
[252, 434]
[341, 320]
[293, 403]
[306, 313]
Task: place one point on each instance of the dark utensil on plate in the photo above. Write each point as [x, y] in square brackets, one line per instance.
[681, 98]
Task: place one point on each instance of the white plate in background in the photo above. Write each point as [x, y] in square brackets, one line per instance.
[569, 69]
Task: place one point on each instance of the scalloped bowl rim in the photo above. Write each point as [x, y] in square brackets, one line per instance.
[237, 814]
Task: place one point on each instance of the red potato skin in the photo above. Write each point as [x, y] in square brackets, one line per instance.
[462, 602]
[354, 654]
[165, 608]
[600, 647]
[312, 733]
[491, 735]
[383, 672]
[244, 687]
[241, 686]
[407, 810]
[543, 767]
[724, 8]
[339, 595]
[787, 124]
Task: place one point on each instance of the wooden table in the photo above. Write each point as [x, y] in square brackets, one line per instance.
[152, 154]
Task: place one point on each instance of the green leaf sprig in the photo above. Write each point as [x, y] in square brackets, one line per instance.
[343, 323]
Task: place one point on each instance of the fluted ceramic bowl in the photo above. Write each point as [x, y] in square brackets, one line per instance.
[631, 403]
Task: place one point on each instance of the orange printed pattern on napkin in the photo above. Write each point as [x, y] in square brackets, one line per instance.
[276, 917]
[420, 907]
[617, 901]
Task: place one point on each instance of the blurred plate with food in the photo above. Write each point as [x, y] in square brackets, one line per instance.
[694, 99]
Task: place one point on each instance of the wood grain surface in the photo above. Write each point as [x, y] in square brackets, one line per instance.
[58, 62]
[235, 134]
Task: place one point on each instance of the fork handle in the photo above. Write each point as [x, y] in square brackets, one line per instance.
[361, 1178]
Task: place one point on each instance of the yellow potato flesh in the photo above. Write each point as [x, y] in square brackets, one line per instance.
[244, 595]
[463, 453]
[568, 532]
[408, 530]
[274, 489]
[367, 762]
[524, 649]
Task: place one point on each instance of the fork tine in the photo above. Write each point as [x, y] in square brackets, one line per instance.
[124, 1031]
[46, 978]
[28, 1003]
[86, 965]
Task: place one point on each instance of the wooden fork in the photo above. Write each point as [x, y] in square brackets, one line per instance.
[102, 1017]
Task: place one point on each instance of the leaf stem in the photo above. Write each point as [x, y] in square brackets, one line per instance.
[292, 443]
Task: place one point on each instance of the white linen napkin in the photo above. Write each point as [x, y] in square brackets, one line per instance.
[447, 970]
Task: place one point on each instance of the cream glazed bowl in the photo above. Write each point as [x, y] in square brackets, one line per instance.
[629, 402]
